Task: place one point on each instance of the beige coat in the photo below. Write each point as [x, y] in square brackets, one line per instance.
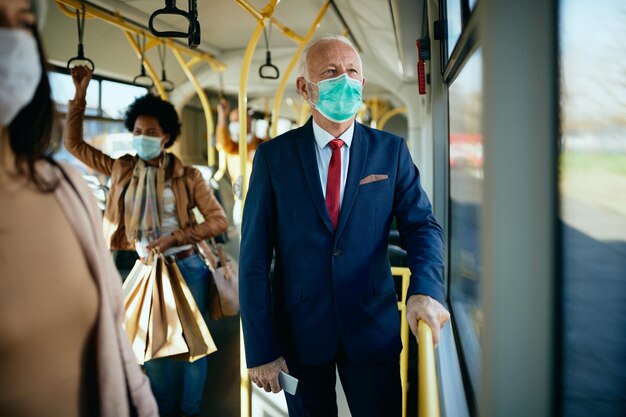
[118, 374]
[190, 189]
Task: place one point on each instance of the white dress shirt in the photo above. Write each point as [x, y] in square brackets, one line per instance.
[323, 152]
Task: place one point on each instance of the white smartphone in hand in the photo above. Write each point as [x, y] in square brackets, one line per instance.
[288, 383]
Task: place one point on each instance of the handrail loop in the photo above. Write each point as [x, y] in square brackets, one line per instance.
[171, 9]
[142, 75]
[168, 85]
[80, 56]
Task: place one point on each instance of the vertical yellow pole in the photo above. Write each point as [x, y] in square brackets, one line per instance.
[246, 392]
[206, 106]
[278, 98]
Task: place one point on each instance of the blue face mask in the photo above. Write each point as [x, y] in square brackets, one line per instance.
[338, 98]
[147, 147]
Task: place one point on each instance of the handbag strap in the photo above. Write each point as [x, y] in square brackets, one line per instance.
[221, 255]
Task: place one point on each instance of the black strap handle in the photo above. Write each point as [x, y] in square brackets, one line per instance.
[194, 39]
[168, 85]
[268, 65]
[268, 60]
[171, 9]
[139, 80]
[80, 56]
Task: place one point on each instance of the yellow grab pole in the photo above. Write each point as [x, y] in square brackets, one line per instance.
[151, 72]
[243, 112]
[385, 117]
[246, 392]
[278, 98]
[206, 106]
[405, 273]
[428, 396]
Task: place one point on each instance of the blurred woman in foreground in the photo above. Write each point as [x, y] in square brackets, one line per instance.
[63, 351]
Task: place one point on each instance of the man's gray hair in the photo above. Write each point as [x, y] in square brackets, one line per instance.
[323, 39]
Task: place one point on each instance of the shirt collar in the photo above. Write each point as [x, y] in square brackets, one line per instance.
[322, 137]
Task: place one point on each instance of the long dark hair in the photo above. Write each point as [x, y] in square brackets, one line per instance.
[32, 132]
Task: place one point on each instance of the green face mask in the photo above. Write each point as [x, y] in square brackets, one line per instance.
[338, 98]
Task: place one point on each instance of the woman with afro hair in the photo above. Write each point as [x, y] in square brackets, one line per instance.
[151, 197]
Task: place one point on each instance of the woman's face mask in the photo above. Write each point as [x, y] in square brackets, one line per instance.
[338, 98]
[20, 72]
[147, 147]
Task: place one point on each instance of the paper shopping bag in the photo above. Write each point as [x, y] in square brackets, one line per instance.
[137, 296]
[165, 332]
[195, 330]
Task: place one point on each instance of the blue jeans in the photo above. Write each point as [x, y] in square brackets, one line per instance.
[173, 381]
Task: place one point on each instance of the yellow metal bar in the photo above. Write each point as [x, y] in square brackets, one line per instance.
[385, 117]
[428, 396]
[149, 68]
[193, 61]
[278, 98]
[246, 391]
[120, 22]
[70, 12]
[206, 106]
[243, 102]
[221, 165]
[245, 386]
[405, 273]
[259, 16]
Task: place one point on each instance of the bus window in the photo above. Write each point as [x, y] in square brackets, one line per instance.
[592, 184]
[466, 182]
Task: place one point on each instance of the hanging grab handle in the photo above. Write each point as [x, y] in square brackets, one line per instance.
[80, 56]
[168, 85]
[142, 77]
[268, 65]
[171, 9]
[268, 60]
[194, 38]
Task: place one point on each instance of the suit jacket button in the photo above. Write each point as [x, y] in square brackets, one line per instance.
[337, 252]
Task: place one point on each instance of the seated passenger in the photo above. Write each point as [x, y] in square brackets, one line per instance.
[63, 351]
[149, 206]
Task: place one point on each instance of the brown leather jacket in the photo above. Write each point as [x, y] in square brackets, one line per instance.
[189, 188]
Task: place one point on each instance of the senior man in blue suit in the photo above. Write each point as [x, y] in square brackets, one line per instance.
[322, 198]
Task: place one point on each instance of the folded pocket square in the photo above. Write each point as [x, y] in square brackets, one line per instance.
[373, 178]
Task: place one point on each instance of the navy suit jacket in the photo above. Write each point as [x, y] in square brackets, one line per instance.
[328, 286]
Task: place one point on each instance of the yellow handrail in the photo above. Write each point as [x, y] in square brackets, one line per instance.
[278, 98]
[385, 117]
[428, 396]
[405, 273]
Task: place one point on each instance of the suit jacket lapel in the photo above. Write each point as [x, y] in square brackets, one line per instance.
[306, 149]
[358, 156]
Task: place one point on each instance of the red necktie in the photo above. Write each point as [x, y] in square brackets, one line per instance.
[333, 183]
